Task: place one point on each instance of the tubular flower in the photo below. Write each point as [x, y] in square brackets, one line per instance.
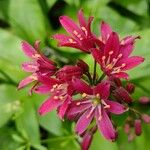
[39, 64]
[80, 36]
[95, 104]
[114, 60]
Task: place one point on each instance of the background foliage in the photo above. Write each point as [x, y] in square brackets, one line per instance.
[21, 128]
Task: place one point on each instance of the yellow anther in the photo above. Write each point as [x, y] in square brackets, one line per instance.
[109, 66]
[34, 77]
[104, 57]
[84, 95]
[56, 97]
[123, 65]
[75, 32]
[78, 103]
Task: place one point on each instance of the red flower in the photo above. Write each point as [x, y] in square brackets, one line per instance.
[95, 104]
[40, 64]
[114, 58]
[80, 37]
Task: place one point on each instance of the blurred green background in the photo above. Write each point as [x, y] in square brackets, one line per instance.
[21, 128]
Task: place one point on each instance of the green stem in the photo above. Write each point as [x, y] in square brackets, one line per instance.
[58, 139]
[89, 77]
[101, 78]
[94, 72]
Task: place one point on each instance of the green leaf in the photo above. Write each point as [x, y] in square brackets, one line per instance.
[28, 122]
[27, 19]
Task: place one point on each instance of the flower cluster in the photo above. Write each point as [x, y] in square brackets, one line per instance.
[82, 96]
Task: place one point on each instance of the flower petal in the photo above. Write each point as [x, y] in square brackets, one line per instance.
[105, 126]
[121, 75]
[27, 81]
[81, 86]
[131, 62]
[82, 20]
[30, 66]
[42, 89]
[84, 122]
[71, 27]
[97, 54]
[78, 107]
[105, 31]
[112, 46]
[115, 107]
[63, 108]
[49, 105]
[28, 49]
[103, 89]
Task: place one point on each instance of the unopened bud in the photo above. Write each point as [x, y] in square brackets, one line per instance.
[130, 87]
[144, 100]
[146, 118]
[84, 66]
[138, 127]
[127, 128]
[122, 94]
[86, 141]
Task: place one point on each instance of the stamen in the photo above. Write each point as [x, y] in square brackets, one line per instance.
[123, 65]
[56, 97]
[36, 56]
[75, 32]
[90, 113]
[34, 77]
[84, 95]
[120, 55]
[100, 113]
[107, 106]
[78, 103]
[111, 52]
[97, 95]
[84, 29]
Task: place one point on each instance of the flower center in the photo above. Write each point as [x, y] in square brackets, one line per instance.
[96, 101]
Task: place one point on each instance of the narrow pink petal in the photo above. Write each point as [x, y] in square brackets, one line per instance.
[77, 107]
[103, 89]
[84, 122]
[49, 105]
[129, 40]
[71, 27]
[126, 50]
[131, 62]
[112, 45]
[28, 49]
[81, 86]
[42, 89]
[30, 66]
[105, 30]
[105, 126]
[82, 20]
[97, 54]
[27, 81]
[121, 75]
[63, 108]
[115, 107]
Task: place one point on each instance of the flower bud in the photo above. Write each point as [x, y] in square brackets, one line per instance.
[130, 87]
[84, 66]
[127, 128]
[68, 72]
[122, 94]
[146, 118]
[86, 141]
[138, 127]
[144, 100]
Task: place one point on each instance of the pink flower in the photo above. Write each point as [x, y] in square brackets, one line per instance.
[95, 104]
[114, 58]
[60, 95]
[80, 36]
[39, 64]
